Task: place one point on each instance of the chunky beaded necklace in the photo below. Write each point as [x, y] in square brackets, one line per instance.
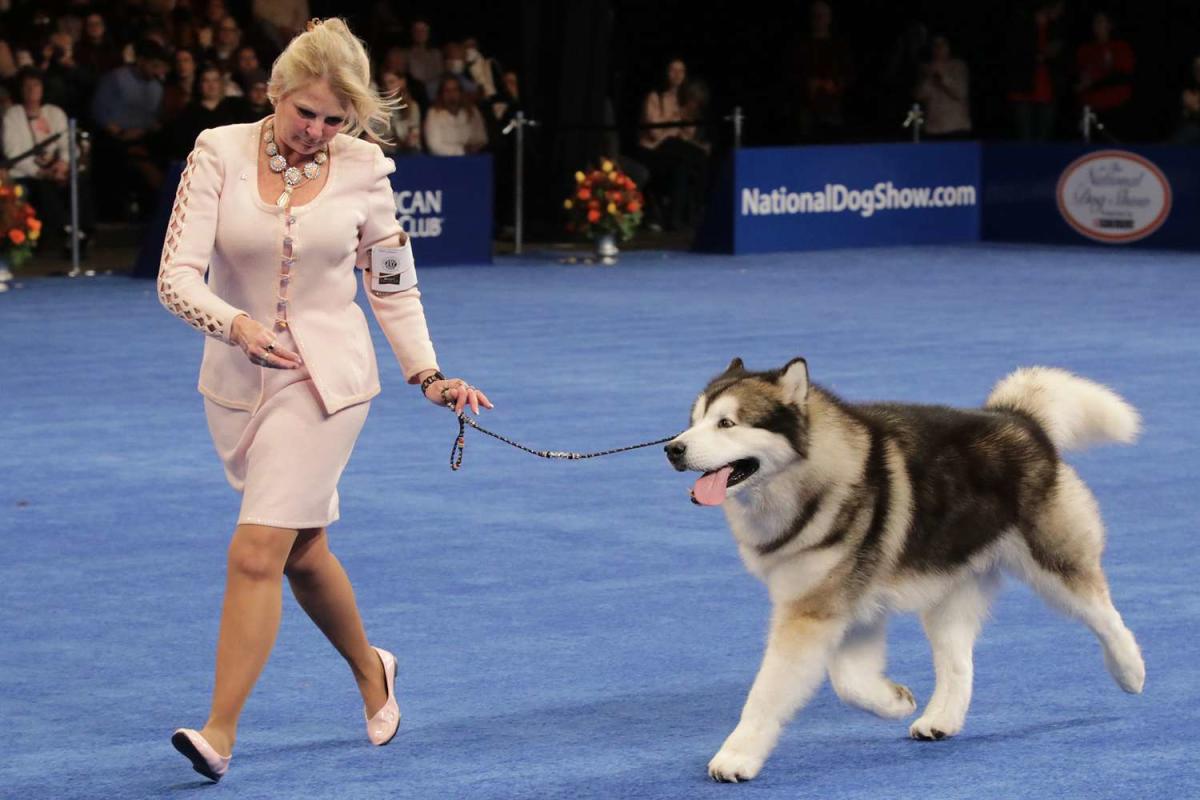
[292, 176]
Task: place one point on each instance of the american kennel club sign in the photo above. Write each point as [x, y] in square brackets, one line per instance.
[1114, 196]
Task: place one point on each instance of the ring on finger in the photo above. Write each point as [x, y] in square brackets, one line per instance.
[271, 347]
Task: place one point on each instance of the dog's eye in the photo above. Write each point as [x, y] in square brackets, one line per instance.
[726, 422]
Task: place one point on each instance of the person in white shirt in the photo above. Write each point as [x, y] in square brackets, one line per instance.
[453, 126]
[43, 173]
[944, 89]
[424, 60]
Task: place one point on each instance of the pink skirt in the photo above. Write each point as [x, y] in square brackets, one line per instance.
[286, 456]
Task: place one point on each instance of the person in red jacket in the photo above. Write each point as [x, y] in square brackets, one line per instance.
[1105, 69]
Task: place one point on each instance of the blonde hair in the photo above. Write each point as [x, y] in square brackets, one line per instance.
[329, 50]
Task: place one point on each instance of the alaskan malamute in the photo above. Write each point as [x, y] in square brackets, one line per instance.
[849, 512]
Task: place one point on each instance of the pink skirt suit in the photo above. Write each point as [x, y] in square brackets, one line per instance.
[284, 436]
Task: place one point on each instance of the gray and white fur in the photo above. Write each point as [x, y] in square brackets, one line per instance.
[849, 512]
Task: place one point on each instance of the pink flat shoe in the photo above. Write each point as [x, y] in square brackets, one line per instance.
[383, 726]
[205, 760]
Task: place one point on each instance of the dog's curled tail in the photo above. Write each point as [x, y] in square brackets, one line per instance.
[1075, 412]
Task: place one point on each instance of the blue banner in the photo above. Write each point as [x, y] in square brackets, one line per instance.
[445, 205]
[1144, 196]
[809, 198]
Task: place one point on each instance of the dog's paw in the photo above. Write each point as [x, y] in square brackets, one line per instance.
[901, 704]
[930, 728]
[732, 766]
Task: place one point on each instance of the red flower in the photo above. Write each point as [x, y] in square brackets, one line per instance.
[633, 207]
[584, 193]
[18, 237]
[594, 215]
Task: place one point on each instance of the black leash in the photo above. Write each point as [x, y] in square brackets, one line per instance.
[460, 444]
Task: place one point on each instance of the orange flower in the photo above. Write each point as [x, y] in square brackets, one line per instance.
[34, 224]
[18, 237]
[594, 215]
[633, 207]
[584, 194]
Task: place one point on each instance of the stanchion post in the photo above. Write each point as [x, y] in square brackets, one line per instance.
[517, 126]
[915, 120]
[737, 118]
[1085, 124]
[73, 166]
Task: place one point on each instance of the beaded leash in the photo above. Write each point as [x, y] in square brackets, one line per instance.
[460, 444]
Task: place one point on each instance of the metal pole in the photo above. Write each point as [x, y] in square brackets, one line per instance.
[73, 166]
[519, 186]
[737, 118]
[1087, 124]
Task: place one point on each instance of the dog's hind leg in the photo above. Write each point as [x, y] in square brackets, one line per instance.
[856, 672]
[792, 669]
[1062, 564]
[952, 626]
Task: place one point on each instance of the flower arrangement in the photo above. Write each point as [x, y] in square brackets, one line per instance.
[605, 201]
[19, 227]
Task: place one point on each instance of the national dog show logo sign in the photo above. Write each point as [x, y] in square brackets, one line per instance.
[1114, 196]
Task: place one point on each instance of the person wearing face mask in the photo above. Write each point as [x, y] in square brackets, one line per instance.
[456, 67]
[483, 71]
[281, 214]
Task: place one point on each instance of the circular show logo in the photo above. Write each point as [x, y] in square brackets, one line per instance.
[1114, 196]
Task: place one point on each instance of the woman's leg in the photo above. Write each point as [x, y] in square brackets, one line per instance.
[323, 590]
[249, 623]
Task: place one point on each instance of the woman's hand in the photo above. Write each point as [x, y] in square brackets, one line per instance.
[259, 345]
[458, 392]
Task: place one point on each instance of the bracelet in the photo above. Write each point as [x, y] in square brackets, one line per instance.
[436, 376]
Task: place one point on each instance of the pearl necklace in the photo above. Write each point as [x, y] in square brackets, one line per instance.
[292, 176]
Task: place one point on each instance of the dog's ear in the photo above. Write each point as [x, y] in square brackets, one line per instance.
[735, 366]
[793, 380]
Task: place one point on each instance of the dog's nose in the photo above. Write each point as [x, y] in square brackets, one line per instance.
[675, 451]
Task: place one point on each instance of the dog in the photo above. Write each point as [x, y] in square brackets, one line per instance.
[849, 512]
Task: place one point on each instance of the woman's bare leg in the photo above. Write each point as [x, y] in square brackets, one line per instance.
[249, 623]
[323, 590]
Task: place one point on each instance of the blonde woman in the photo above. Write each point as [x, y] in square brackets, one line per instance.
[280, 213]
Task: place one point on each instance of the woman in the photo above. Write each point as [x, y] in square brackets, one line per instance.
[180, 89]
[43, 172]
[289, 367]
[404, 124]
[944, 89]
[671, 153]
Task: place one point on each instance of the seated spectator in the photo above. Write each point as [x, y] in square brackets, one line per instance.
[404, 128]
[227, 41]
[246, 64]
[454, 127]
[43, 173]
[484, 71]
[67, 85]
[943, 90]
[395, 60]
[455, 61]
[425, 60]
[180, 89]
[211, 109]
[1188, 131]
[670, 153]
[255, 105]
[96, 52]
[1105, 68]
[126, 109]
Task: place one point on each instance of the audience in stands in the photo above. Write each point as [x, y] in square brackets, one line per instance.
[1035, 73]
[425, 60]
[825, 71]
[404, 128]
[1188, 130]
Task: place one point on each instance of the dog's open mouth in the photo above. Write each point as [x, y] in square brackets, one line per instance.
[710, 488]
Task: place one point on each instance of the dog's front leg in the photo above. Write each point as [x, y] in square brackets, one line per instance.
[792, 670]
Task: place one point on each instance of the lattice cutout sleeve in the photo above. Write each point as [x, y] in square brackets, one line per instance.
[188, 248]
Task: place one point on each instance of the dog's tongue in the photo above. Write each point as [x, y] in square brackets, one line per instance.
[710, 488]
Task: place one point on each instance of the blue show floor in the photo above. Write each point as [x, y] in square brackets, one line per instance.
[579, 629]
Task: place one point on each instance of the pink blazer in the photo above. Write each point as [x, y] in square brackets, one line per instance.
[221, 225]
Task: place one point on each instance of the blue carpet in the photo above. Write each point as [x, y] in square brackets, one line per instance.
[579, 630]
